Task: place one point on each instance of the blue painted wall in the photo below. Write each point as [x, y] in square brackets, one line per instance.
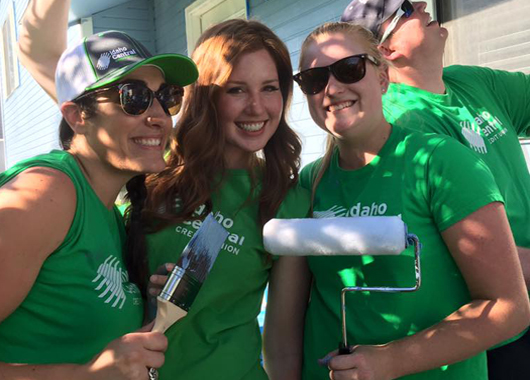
[135, 18]
[171, 26]
[30, 117]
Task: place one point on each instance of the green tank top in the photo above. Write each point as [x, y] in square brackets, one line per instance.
[82, 298]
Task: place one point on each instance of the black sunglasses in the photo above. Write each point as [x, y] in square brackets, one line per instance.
[408, 8]
[347, 70]
[135, 97]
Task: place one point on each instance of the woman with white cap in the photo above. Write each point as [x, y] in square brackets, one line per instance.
[64, 283]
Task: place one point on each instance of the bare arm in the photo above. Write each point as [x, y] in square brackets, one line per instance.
[284, 321]
[42, 40]
[524, 258]
[36, 210]
[484, 250]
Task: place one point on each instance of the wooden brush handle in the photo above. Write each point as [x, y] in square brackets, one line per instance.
[167, 314]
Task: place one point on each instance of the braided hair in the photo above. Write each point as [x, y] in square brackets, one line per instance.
[135, 246]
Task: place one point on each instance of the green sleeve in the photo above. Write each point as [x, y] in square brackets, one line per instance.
[308, 174]
[459, 183]
[295, 204]
[512, 92]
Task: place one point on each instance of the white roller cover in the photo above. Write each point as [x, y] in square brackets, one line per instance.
[371, 235]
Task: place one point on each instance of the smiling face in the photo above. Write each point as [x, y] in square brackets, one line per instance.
[347, 111]
[249, 107]
[126, 143]
[418, 35]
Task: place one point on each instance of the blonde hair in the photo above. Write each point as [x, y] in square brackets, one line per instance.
[369, 42]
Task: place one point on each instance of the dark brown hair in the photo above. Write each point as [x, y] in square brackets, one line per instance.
[88, 108]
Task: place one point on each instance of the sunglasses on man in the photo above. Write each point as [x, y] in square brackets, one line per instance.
[135, 97]
[346, 70]
[405, 10]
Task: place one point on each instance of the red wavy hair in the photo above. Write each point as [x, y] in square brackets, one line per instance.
[196, 163]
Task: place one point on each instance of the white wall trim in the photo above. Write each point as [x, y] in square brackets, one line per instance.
[195, 11]
[87, 27]
[10, 19]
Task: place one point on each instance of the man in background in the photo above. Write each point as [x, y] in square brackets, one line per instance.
[486, 110]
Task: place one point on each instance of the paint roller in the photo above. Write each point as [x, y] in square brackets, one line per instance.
[343, 236]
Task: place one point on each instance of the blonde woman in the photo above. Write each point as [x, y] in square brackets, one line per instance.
[472, 294]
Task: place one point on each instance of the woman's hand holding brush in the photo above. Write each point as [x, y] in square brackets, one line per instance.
[129, 357]
[125, 358]
[157, 281]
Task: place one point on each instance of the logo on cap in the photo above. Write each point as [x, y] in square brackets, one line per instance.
[103, 61]
[122, 52]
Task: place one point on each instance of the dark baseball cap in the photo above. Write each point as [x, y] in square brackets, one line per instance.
[107, 57]
[370, 13]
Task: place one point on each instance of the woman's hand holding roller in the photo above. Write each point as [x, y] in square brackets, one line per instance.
[364, 363]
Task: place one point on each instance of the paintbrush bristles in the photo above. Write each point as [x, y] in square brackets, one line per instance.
[200, 264]
[194, 264]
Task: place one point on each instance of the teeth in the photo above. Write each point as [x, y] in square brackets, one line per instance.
[340, 106]
[148, 142]
[251, 127]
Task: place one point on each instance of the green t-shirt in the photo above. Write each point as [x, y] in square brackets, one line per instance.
[82, 298]
[485, 110]
[220, 337]
[430, 181]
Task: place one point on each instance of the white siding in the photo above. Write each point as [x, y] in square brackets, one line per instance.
[490, 33]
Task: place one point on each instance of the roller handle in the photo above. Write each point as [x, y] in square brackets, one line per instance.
[344, 350]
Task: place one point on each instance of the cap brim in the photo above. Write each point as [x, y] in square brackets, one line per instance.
[178, 69]
[391, 7]
[370, 17]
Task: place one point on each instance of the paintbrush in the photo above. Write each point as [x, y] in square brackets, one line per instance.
[190, 272]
